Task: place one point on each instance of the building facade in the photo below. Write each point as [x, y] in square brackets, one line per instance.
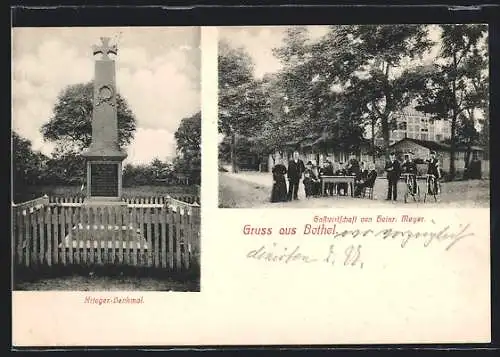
[413, 124]
[421, 150]
[319, 150]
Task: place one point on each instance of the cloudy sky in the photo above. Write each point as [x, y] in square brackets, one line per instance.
[260, 40]
[158, 73]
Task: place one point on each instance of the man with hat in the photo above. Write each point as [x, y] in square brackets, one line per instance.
[295, 170]
[410, 167]
[393, 170]
[433, 169]
[310, 180]
[327, 170]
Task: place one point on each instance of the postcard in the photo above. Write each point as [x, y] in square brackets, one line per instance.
[343, 172]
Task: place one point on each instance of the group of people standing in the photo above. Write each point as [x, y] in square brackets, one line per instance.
[311, 176]
[364, 176]
[394, 170]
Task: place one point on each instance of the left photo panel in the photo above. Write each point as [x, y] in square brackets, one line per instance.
[106, 160]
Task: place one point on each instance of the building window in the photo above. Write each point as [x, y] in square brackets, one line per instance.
[424, 130]
[439, 137]
[423, 137]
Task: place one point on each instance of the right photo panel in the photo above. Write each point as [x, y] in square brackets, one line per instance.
[353, 116]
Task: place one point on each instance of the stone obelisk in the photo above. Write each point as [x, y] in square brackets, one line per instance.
[104, 157]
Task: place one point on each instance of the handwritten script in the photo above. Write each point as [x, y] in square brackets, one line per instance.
[446, 237]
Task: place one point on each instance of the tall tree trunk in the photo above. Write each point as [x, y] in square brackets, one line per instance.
[468, 153]
[453, 145]
[384, 122]
[373, 140]
[385, 116]
[234, 160]
[470, 142]
[454, 117]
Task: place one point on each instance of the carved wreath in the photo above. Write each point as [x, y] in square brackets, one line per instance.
[105, 94]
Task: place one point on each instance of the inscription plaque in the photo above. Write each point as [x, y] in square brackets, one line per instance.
[104, 180]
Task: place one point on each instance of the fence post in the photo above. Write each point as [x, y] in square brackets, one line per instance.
[18, 236]
[41, 228]
[178, 256]
[61, 242]
[157, 236]
[94, 230]
[135, 235]
[186, 233]
[170, 223]
[71, 219]
[56, 218]
[149, 224]
[163, 216]
[48, 224]
[28, 236]
[195, 223]
[119, 223]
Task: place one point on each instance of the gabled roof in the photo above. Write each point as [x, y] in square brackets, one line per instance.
[433, 145]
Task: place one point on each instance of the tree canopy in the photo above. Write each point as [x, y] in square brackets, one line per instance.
[188, 137]
[242, 103]
[347, 78]
[356, 77]
[457, 84]
[27, 162]
[70, 127]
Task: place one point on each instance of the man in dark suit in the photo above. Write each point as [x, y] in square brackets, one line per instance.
[296, 168]
[368, 179]
[341, 187]
[360, 179]
[353, 166]
[410, 167]
[433, 168]
[393, 169]
[371, 176]
[327, 170]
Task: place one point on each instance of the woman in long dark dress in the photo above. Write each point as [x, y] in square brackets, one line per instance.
[279, 192]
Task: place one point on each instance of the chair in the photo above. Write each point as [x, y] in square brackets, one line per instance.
[368, 191]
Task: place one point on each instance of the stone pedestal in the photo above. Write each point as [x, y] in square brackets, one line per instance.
[104, 180]
[104, 160]
[104, 157]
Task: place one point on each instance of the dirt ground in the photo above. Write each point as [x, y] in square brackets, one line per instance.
[247, 190]
[82, 283]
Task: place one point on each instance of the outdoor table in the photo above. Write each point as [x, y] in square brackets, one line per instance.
[338, 179]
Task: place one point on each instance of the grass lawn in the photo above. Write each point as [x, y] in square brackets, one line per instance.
[238, 191]
[102, 283]
[142, 191]
[104, 278]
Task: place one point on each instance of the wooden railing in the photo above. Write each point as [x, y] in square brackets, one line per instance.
[31, 206]
[108, 235]
[188, 198]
